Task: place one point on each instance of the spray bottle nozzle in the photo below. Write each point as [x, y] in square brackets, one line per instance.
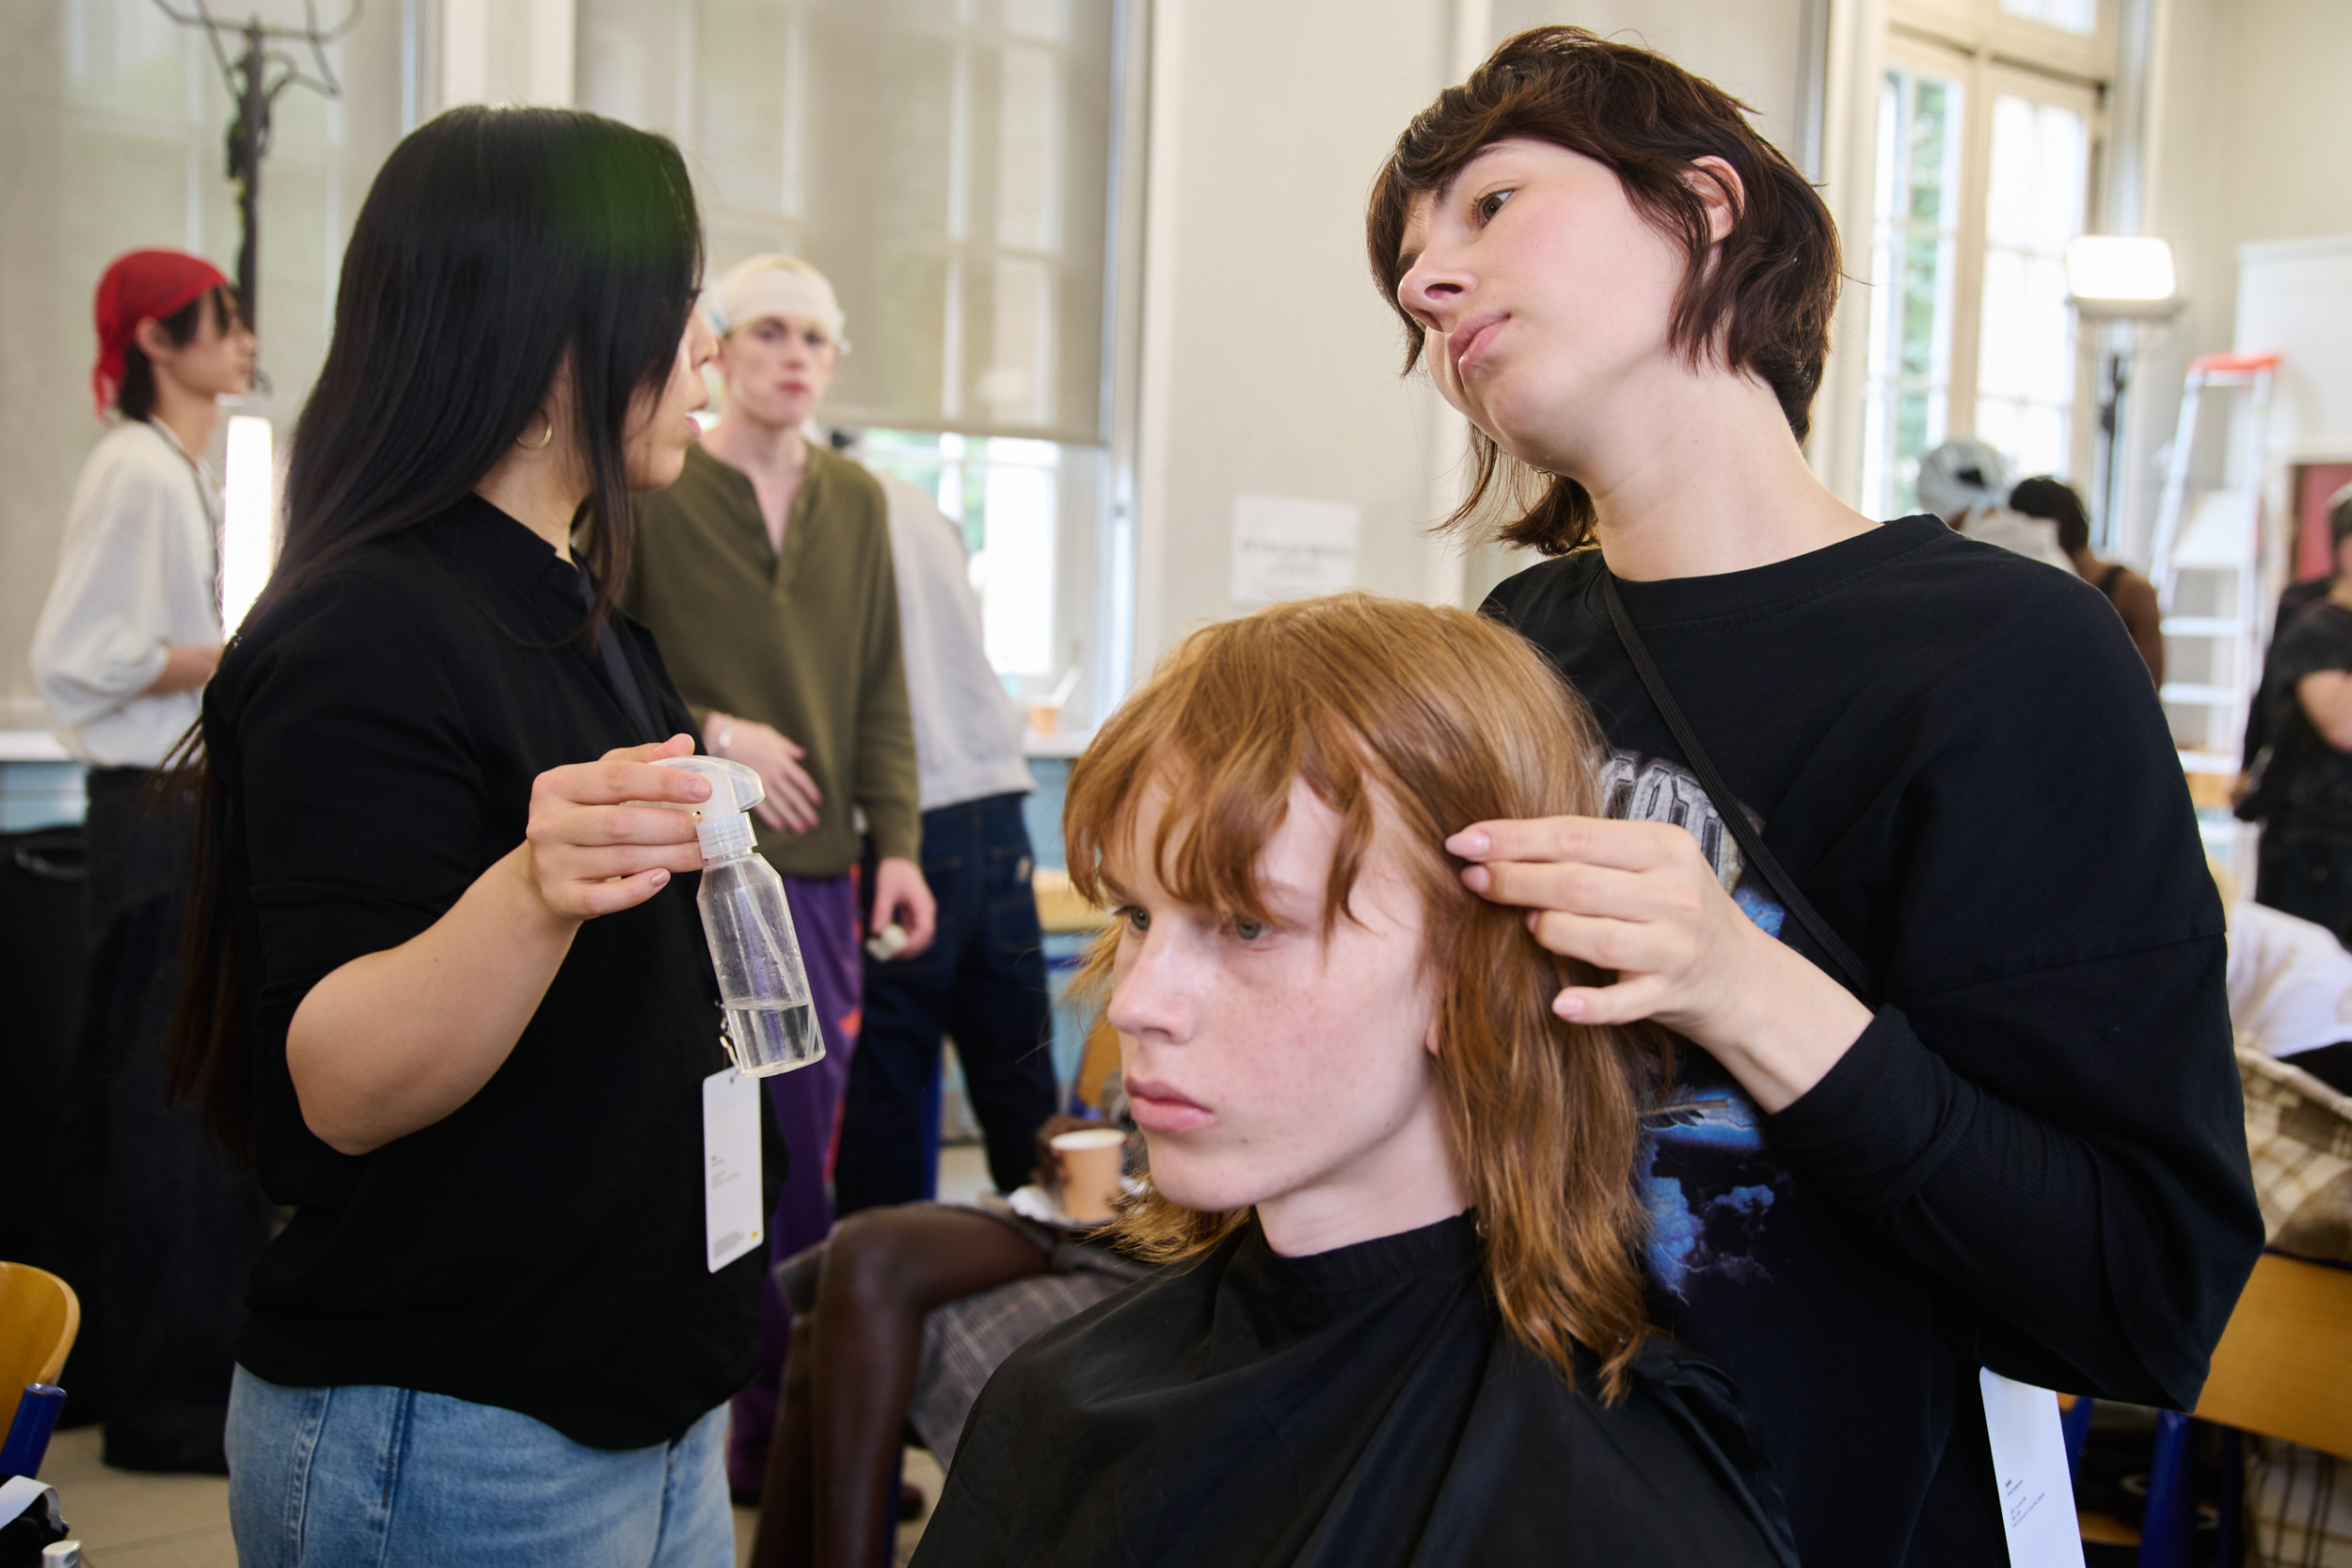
[723, 822]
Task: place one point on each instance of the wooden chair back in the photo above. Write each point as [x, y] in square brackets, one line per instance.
[2284, 1363]
[39, 1315]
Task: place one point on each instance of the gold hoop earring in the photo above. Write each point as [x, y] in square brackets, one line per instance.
[540, 445]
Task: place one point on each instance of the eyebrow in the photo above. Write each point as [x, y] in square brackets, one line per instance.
[1437, 197]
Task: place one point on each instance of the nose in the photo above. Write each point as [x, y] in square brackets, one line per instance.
[1152, 997]
[1433, 289]
[702, 344]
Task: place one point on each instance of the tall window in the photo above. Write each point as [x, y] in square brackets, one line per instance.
[2067, 16]
[947, 166]
[1003, 492]
[2034, 199]
[1916, 247]
[1984, 174]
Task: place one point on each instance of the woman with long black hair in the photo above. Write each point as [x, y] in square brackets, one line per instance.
[444, 985]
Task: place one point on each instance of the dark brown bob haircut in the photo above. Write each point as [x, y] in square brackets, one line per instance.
[1759, 303]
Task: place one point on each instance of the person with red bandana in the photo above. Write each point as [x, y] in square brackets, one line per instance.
[154, 1232]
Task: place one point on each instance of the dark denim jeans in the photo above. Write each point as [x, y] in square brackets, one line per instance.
[982, 982]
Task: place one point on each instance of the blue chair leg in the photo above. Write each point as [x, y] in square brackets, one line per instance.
[2075, 1424]
[2163, 1530]
[37, 1411]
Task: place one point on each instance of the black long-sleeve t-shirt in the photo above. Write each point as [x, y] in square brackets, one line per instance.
[373, 740]
[2034, 1158]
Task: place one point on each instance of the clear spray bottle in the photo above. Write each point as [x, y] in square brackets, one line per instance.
[771, 1022]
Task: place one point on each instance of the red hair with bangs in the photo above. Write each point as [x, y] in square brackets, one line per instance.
[1410, 722]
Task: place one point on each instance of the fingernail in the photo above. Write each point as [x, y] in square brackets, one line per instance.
[1469, 844]
[659, 877]
[1477, 877]
[1569, 1008]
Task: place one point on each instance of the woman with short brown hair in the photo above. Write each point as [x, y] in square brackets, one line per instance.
[2006, 1134]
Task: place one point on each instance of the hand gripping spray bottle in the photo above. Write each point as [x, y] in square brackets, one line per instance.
[771, 1022]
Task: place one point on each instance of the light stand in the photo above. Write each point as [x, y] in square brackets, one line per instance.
[2118, 280]
[251, 84]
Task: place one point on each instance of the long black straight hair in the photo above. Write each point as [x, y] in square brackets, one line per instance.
[498, 248]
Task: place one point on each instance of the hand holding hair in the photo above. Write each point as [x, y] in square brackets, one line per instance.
[1640, 900]
[590, 850]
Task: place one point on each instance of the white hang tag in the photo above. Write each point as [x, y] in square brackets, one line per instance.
[2029, 1462]
[732, 1190]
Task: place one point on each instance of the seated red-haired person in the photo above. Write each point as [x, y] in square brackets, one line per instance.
[1409, 1329]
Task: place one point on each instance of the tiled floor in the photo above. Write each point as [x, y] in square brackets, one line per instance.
[127, 1520]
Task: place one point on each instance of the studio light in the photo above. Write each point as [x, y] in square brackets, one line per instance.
[249, 544]
[2121, 275]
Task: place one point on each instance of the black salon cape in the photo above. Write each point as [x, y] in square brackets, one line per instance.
[1355, 1409]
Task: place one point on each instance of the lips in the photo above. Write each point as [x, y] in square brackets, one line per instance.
[1467, 341]
[1160, 1108]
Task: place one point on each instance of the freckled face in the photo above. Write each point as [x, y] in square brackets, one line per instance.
[1265, 1063]
[1544, 296]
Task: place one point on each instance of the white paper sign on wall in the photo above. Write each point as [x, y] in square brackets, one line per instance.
[1287, 549]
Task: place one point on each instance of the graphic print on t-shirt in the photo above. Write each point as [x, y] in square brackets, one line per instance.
[1709, 1182]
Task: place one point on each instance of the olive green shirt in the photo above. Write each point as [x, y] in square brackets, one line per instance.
[807, 640]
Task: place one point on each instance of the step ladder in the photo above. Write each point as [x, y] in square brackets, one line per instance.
[2213, 566]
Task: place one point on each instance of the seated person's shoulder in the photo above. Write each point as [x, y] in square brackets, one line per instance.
[1677, 1432]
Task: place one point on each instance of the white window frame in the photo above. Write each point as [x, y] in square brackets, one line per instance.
[1991, 53]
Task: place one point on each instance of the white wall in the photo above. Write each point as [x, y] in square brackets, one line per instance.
[1269, 363]
[2249, 123]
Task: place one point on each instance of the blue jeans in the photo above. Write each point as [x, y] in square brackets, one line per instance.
[982, 981]
[364, 1477]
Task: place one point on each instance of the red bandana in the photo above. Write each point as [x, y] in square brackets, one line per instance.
[143, 285]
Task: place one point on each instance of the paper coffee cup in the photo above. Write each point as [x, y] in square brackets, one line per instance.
[1090, 1170]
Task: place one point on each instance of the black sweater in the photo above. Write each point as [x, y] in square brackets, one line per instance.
[2034, 1158]
[373, 739]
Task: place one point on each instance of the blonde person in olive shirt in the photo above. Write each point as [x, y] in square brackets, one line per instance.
[765, 574]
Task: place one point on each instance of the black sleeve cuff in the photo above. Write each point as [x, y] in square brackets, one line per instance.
[1880, 1123]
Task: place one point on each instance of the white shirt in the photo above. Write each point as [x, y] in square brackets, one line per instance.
[968, 732]
[136, 575]
[2290, 982]
[2035, 538]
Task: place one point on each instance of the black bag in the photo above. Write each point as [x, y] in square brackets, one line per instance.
[35, 1524]
[2263, 794]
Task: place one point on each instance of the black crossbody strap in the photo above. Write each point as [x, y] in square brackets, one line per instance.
[1751, 842]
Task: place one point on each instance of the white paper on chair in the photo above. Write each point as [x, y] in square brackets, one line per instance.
[1288, 550]
[2029, 1462]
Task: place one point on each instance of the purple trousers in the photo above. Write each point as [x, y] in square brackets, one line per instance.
[807, 1104]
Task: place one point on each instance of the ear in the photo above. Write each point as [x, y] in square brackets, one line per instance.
[152, 339]
[1717, 185]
